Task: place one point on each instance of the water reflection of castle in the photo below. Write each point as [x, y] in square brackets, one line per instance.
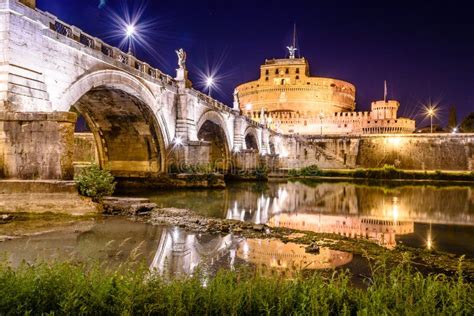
[327, 208]
[268, 254]
[379, 230]
[181, 253]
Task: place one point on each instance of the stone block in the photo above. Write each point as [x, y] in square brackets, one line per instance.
[37, 145]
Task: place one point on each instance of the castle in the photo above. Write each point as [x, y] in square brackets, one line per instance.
[288, 99]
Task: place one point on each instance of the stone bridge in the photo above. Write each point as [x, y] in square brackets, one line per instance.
[142, 120]
[145, 122]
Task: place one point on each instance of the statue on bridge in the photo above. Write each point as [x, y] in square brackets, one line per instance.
[236, 104]
[181, 58]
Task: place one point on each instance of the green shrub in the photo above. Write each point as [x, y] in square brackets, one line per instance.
[310, 171]
[95, 182]
[294, 173]
[261, 173]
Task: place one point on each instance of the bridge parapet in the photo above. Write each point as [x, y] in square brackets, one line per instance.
[108, 52]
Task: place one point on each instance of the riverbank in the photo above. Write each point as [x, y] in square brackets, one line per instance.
[387, 173]
[65, 288]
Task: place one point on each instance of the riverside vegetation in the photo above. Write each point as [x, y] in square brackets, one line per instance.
[387, 172]
[95, 182]
[67, 288]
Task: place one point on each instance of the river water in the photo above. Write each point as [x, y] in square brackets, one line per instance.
[435, 217]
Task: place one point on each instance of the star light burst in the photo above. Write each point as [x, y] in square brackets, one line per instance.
[131, 30]
[210, 76]
[430, 111]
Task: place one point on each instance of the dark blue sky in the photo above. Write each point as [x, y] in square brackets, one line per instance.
[424, 50]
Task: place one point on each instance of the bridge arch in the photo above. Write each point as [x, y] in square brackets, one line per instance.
[211, 127]
[251, 139]
[126, 119]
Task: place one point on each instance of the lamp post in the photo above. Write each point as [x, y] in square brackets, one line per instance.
[209, 84]
[431, 113]
[129, 33]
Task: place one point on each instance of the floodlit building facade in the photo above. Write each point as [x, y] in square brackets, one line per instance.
[290, 100]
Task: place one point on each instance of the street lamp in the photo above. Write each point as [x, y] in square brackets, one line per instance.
[431, 113]
[130, 31]
[209, 84]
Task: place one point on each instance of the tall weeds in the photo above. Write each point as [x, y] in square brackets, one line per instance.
[69, 289]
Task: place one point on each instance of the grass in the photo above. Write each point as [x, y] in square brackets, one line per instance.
[66, 288]
[387, 172]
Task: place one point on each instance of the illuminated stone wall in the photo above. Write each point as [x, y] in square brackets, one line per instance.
[430, 152]
[413, 151]
[293, 102]
[36, 145]
[286, 85]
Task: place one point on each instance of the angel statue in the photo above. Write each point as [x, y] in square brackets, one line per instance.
[181, 58]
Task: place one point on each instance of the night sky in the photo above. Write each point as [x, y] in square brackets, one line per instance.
[424, 50]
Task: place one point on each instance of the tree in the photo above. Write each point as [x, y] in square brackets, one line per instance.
[467, 126]
[452, 120]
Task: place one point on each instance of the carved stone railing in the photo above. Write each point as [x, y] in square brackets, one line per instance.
[96, 44]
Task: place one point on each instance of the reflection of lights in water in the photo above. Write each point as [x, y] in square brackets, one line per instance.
[232, 253]
[242, 216]
[395, 213]
[429, 243]
[175, 233]
[245, 249]
[429, 239]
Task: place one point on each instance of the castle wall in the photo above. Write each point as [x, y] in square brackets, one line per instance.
[419, 152]
[407, 151]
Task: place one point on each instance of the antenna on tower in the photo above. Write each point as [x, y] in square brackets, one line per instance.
[292, 49]
[385, 91]
[294, 35]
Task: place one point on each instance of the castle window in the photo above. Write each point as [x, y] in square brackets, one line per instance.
[333, 85]
[276, 71]
[266, 72]
[266, 78]
[287, 71]
[282, 81]
[297, 70]
[297, 77]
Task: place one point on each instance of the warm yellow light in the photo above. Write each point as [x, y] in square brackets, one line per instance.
[431, 110]
[429, 243]
[248, 106]
[395, 141]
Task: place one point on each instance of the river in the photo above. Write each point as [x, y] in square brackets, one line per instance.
[433, 217]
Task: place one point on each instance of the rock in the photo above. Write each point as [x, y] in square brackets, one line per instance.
[313, 248]
[258, 227]
[127, 206]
